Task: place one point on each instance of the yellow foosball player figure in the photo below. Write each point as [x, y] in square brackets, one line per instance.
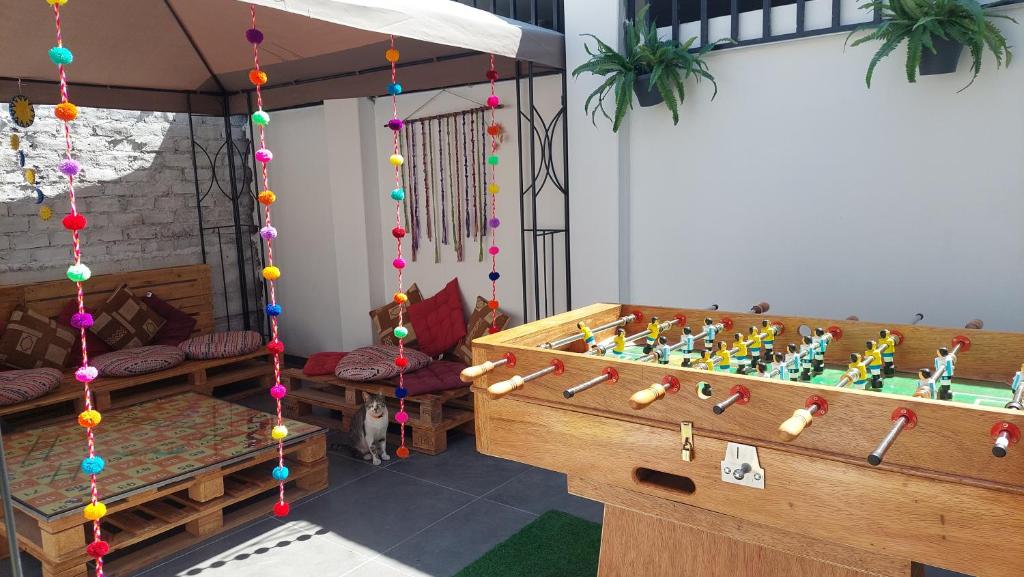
[888, 353]
[860, 378]
[707, 360]
[768, 340]
[755, 346]
[742, 357]
[588, 335]
[654, 330]
[723, 354]
[619, 342]
[925, 385]
[687, 345]
[874, 361]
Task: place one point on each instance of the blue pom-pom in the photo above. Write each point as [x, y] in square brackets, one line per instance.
[273, 310]
[93, 465]
[401, 393]
[493, 276]
[394, 89]
[60, 55]
[398, 194]
[280, 473]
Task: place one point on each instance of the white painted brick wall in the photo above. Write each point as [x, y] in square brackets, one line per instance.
[137, 190]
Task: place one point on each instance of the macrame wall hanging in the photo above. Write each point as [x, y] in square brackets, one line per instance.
[445, 176]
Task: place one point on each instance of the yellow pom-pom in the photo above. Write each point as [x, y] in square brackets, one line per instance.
[267, 197]
[57, 2]
[89, 418]
[493, 188]
[93, 512]
[279, 432]
[46, 213]
[391, 55]
[271, 273]
[397, 160]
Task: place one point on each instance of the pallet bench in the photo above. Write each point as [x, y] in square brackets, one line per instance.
[431, 415]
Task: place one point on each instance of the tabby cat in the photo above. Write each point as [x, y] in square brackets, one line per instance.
[369, 429]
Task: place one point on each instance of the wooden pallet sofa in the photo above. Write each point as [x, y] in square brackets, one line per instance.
[187, 288]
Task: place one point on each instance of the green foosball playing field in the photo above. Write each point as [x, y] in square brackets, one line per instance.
[964, 391]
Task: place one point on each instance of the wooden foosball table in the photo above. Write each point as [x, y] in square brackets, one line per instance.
[705, 472]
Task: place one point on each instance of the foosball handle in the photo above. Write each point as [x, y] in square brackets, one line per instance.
[976, 324]
[643, 399]
[793, 426]
[502, 388]
[469, 374]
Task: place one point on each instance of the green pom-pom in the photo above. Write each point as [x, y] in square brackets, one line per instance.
[398, 194]
[60, 55]
[401, 332]
[79, 273]
[492, 160]
[260, 118]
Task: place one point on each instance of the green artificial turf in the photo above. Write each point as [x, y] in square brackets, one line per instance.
[556, 544]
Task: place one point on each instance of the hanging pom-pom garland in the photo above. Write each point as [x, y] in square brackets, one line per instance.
[78, 272]
[398, 195]
[271, 273]
[493, 223]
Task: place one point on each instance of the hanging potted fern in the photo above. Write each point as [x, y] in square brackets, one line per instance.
[653, 69]
[936, 32]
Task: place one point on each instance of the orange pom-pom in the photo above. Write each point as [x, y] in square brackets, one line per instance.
[267, 197]
[493, 304]
[66, 111]
[494, 130]
[391, 55]
[257, 77]
[402, 452]
[89, 418]
[401, 298]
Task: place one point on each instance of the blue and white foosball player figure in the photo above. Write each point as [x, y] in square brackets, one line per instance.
[944, 359]
[888, 353]
[654, 331]
[725, 358]
[742, 357]
[860, 377]
[807, 356]
[619, 342]
[768, 340]
[663, 350]
[755, 346]
[925, 385]
[687, 344]
[1015, 385]
[710, 332]
[793, 362]
[762, 369]
[874, 359]
[588, 335]
[820, 348]
[782, 366]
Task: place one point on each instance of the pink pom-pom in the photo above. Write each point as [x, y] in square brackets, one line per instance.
[264, 155]
[81, 320]
[268, 233]
[396, 124]
[493, 101]
[402, 417]
[86, 374]
[493, 250]
[278, 391]
[398, 263]
[69, 167]
[275, 347]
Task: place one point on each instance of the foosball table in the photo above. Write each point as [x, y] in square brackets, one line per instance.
[787, 446]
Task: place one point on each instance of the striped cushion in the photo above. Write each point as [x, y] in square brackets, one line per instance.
[138, 361]
[376, 363]
[20, 386]
[222, 345]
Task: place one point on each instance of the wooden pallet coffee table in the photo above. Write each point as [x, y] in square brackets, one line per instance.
[178, 471]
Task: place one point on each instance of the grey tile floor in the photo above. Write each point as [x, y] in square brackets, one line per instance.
[425, 516]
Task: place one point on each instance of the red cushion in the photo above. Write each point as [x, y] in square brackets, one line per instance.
[439, 321]
[322, 364]
[178, 327]
[437, 376]
[96, 345]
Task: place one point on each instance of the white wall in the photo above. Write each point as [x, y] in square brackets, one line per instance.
[800, 186]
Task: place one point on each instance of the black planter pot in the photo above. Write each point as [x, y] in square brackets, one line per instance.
[943, 61]
[645, 94]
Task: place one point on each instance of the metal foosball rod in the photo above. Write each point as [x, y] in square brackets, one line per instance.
[945, 360]
[724, 325]
[776, 330]
[738, 395]
[902, 418]
[502, 388]
[918, 317]
[602, 348]
[620, 322]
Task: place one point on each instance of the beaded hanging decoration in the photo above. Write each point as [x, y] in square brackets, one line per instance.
[271, 272]
[398, 195]
[23, 115]
[78, 273]
[494, 130]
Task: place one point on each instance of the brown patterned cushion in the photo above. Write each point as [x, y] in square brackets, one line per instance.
[477, 327]
[222, 345]
[31, 341]
[385, 319]
[377, 362]
[138, 361]
[125, 322]
[20, 386]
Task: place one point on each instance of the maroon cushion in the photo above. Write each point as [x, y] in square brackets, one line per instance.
[439, 321]
[222, 345]
[322, 364]
[377, 362]
[138, 361]
[20, 386]
[96, 345]
[437, 376]
[178, 327]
